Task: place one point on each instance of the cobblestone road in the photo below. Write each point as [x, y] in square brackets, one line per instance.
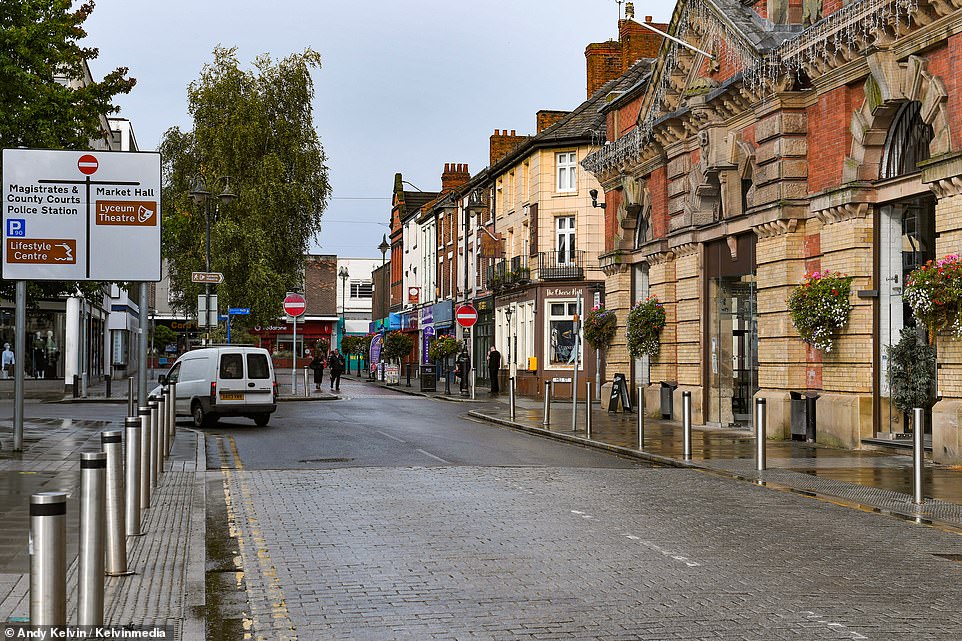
[493, 553]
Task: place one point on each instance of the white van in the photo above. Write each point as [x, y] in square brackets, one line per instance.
[224, 381]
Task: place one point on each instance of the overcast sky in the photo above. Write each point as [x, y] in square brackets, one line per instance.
[405, 86]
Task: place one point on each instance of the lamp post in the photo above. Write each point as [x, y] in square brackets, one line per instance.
[507, 313]
[343, 275]
[385, 293]
[200, 196]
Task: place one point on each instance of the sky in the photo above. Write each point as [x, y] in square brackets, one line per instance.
[405, 86]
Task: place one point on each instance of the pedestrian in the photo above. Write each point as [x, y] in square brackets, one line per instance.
[318, 365]
[494, 369]
[336, 363]
[7, 360]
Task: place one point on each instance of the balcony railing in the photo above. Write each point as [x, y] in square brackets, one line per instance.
[561, 265]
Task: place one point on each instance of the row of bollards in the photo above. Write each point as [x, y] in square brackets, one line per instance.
[115, 488]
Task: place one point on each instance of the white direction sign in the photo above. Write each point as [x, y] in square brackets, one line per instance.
[81, 215]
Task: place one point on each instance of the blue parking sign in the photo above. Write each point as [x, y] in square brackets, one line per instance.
[16, 227]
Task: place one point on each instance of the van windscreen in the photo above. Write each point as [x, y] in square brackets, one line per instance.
[257, 366]
[231, 366]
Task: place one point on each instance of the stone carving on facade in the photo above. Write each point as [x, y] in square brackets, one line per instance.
[947, 187]
[842, 212]
[890, 85]
[775, 228]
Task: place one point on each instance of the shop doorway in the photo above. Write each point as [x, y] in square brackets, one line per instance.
[907, 241]
[731, 332]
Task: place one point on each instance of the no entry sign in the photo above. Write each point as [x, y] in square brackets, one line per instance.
[295, 305]
[466, 315]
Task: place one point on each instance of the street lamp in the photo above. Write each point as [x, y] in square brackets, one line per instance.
[385, 294]
[507, 313]
[344, 275]
[200, 196]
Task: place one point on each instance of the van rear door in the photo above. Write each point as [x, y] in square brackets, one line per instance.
[231, 384]
[260, 383]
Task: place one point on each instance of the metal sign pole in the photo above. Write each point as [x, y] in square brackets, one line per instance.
[574, 384]
[142, 343]
[19, 352]
[294, 361]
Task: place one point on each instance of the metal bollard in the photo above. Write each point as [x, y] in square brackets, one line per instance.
[154, 442]
[130, 397]
[686, 423]
[145, 436]
[112, 443]
[172, 425]
[918, 454]
[473, 380]
[90, 561]
[108, 380]
[409, 375]
[511, 397]
[641, 418]
[547, 404]
[162, 428]
[307, 387]
[760, 433]
[48, 559]
[132, 431]
[588, 410]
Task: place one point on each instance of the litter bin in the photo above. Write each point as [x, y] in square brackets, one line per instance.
[428, 378]
[803, 416]
[667, 399]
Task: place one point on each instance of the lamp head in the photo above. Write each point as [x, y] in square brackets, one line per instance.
[199, 193]
[383, 246]
[227, 196]
[594, 198]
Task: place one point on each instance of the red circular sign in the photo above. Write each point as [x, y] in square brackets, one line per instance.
[295, 305]
[87, 164]
[466, 315]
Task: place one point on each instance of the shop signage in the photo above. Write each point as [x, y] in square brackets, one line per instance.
[375, 352]
[414, 295]
[70, 215]
[619, 392]
[552, 293]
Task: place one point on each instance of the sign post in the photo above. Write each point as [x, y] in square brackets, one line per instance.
[235, 311]
[294, 305]
[466, 316]
[73, 215]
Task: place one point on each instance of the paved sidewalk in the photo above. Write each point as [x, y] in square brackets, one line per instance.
[879, 480]
[167, 588]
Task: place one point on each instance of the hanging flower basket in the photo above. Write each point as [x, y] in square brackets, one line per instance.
[644, 325]
[819, 307]
[600, 327]
[934, 292]
[442, 347]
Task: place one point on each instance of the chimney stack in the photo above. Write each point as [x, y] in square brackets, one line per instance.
[502, 143]
[455, 175]
[548, 117]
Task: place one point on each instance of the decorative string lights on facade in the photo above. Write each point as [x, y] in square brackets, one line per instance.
[825, 44]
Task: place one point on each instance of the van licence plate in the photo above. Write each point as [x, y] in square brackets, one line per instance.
[231, 396]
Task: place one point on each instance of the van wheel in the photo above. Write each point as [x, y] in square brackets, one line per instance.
[262, 420]
[201, 419]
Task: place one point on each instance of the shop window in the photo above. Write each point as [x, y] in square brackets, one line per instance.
[560, 332]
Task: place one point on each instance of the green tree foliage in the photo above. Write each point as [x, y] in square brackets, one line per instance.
[256, 127]
[163, 336]
[912, 370]
[397, 345]
[39, 47]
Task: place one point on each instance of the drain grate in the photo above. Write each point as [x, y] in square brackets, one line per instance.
[325, 460]
[950, 557]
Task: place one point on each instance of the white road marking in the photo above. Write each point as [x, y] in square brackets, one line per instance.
[390, 437]
[437, 458]
[673, 555]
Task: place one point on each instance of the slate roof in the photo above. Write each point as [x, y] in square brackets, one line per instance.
[586, 122]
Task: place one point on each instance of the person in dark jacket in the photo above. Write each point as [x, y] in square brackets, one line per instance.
[336, 363]
[494, 369]
[318, 365]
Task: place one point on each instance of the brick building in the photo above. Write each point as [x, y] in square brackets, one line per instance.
[789, 137]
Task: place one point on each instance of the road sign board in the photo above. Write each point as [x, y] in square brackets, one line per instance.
[72, 215]
[466, 315]
[206, 277]
[295, 305]
[239, 311]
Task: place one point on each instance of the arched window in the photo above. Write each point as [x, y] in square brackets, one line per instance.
[908, 142]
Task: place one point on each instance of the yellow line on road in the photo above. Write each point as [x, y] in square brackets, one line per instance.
[243, 525]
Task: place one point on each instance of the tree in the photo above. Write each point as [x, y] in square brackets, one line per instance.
[254, 126]
[162, 337]
[39, 47]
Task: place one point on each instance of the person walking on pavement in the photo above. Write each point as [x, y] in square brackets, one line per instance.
[317, 364]
[7, 360]
[336, 362]
[494, 369]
